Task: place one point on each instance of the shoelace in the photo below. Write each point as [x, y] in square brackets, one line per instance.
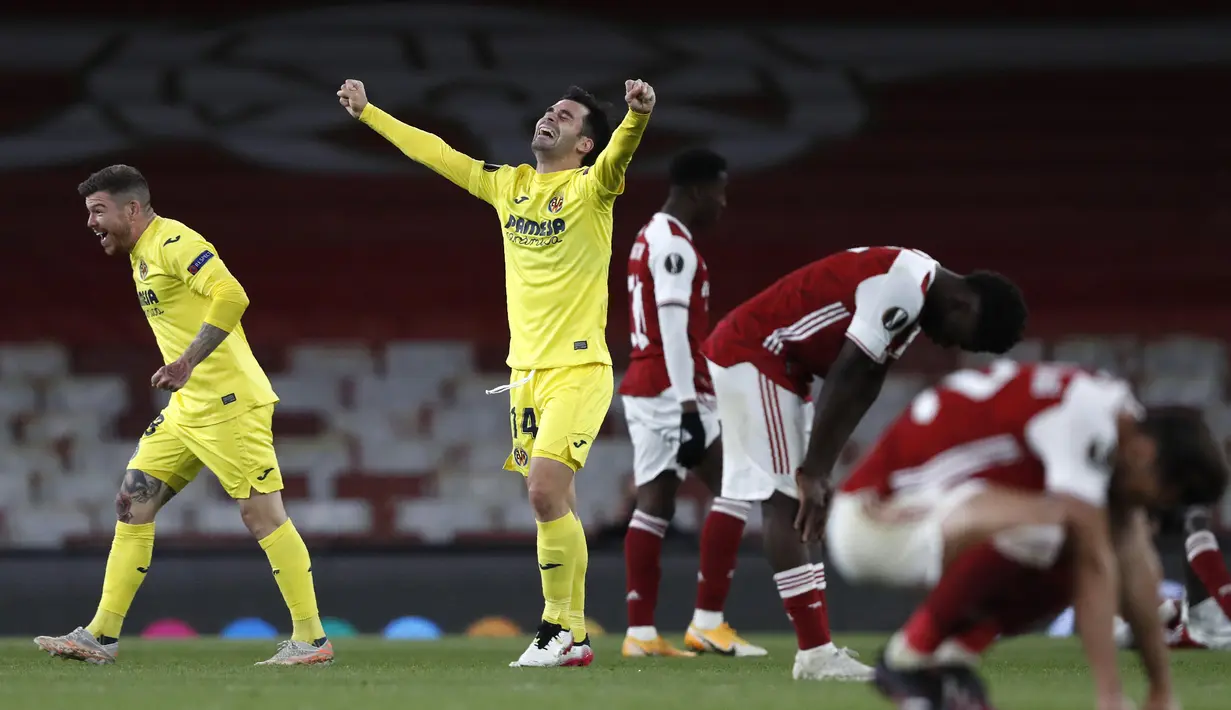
[547, 632]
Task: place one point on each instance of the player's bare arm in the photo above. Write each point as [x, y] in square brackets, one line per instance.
[851, 386]
[1094, 595]
[1139, 578]
[228, 302]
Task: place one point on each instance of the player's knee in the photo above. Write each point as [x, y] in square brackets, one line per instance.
[657, 498]
[140, 497]
[131, 512]
[548, 485]
[262, 513]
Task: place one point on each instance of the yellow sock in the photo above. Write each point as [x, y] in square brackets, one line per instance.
[292, 566]
[577, 605]
[132, 548]
[559, 543]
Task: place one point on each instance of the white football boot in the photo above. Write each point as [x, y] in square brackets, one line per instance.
[829, 662]
[79, 645]
[549, 649]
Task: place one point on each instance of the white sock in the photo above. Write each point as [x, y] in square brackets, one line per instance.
[644, 634]
[953, 653]
[901, 656]
[707, 620]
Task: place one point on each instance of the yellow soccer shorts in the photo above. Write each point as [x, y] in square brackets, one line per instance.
[556, 413]
[239, 451]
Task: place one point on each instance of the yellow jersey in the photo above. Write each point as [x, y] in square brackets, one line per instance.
[557, 238]
[176, 272]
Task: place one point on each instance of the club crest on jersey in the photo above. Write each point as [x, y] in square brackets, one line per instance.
[143, 269]
[556, 204]
[520, 457]
[894, 318]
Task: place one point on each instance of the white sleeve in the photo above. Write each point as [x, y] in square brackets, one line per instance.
[1076, 438]
[673, 265]
[673, 327]
[888, 305]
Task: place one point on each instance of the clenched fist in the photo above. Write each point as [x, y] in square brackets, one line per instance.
[638, 94]
[354, 97]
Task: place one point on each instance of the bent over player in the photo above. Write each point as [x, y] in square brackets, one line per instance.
[669, 404]
[845, 318]
[556, 223]
[1011, 491]
[220, 416]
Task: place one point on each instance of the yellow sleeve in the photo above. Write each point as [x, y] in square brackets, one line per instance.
[196, 263]
[608, 170]
[479, 178]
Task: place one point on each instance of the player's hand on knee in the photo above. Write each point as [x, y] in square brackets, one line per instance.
[692, 440]
[639, 95]
[814, 494]
[353, 97]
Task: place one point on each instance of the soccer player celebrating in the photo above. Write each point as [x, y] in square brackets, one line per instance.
[556, 222]
[1011, 491]
[669, 405]
[220, 416]
[845, 318]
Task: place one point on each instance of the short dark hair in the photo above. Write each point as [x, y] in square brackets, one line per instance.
[595, 125]
[117, 180]
[1002, 312]
[696, 167]
[1189, 457]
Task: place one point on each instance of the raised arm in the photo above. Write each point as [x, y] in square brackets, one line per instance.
[613, 162]
[424, 148]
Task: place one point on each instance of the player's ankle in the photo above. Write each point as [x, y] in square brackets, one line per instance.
[643, 633]
[707, 620]
[899, 654]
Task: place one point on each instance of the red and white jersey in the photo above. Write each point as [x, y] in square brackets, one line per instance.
[1038, 427]
[794, 330]
[664, 268]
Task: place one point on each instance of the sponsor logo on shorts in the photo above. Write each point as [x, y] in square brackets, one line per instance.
[265, 475]
[579, 443]
[227, 399]
[550, 565]
[520, 457]
[580, 345]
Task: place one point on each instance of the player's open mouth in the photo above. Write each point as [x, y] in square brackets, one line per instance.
[102, 237]
[546, 132]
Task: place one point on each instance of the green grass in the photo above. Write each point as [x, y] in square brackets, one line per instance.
[1025, 674]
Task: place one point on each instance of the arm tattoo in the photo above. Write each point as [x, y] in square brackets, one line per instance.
[140, 488]
[207, 340]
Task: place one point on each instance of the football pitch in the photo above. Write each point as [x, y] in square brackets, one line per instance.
[1025, 674]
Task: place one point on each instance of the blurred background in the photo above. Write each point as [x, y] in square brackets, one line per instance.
[1082, 152]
